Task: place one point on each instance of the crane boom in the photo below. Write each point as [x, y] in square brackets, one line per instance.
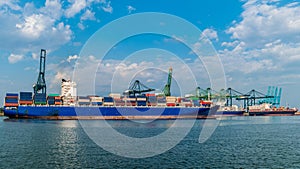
[138, 88]
[41, 82]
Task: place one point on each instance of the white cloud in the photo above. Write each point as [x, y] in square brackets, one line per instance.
[107, 7]
[88, 15]
[230, 44]
[10, 3]
[32, 29]
[35, 25]
[76, 7]
[13, 58]
[53, 9]
[210, 34]
[74, 57]
[130, 9]
[264, 22]
[81, 26]
[265, 43]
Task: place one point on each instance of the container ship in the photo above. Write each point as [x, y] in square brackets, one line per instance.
[266, 109]
[137, 103]
[68, 106]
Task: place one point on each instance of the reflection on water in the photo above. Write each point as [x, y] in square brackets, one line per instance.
[238, 142]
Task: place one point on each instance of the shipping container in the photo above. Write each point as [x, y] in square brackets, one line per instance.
[25, 102]
[84, 103]
[171, 104]
[108, 101]
[196, 103]
[150, 94]
[141, 103]
[8, 99]
[53, 95]
[12, 94]
[171, 99]
[40, 102]
[25, 96]
[141, 98]
[96, 103]
[115, 95]
[11, 104]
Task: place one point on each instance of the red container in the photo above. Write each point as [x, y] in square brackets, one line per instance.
[205, 102]
[150, 94]
[171, 104]
[179, 100]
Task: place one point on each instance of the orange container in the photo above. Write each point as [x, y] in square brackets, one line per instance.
[11, 104]
[25, 102]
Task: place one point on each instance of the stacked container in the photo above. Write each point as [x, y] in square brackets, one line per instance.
[205, 103]
[186, 102]
[141, 100]
[115, 95]
[11, 100]
[108, 101]
[119, 102]
[40, 99]
[171, 101]
[96, 100]
[130, 101]
[151, 100]
[25, 98]
[161, 101]
[54, 99]
[83, 100]
[196, 103]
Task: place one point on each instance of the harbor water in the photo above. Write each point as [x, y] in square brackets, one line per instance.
[237, 142]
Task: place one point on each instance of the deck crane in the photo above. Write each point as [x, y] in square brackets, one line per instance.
[137, 88]
[167, 88]
[40, 85]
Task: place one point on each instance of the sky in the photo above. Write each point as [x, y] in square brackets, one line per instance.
[257, 44]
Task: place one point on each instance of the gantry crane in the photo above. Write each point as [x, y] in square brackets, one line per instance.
[167, 88]
[137, 88]
[40, 85]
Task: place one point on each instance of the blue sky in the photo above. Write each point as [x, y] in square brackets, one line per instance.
[258, 43]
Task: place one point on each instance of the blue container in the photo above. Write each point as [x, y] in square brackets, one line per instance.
[161, 100]
[51, 102]
[25, 94]
[40, 97]
[84, 103]
[11, 100]
[196, 102]
[96, 103]
[108, 99]
[152, 99]
[141, 103]
[83, 97]
[12, 94]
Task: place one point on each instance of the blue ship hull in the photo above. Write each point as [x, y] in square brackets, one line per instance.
[230, 113]
[89, 112]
